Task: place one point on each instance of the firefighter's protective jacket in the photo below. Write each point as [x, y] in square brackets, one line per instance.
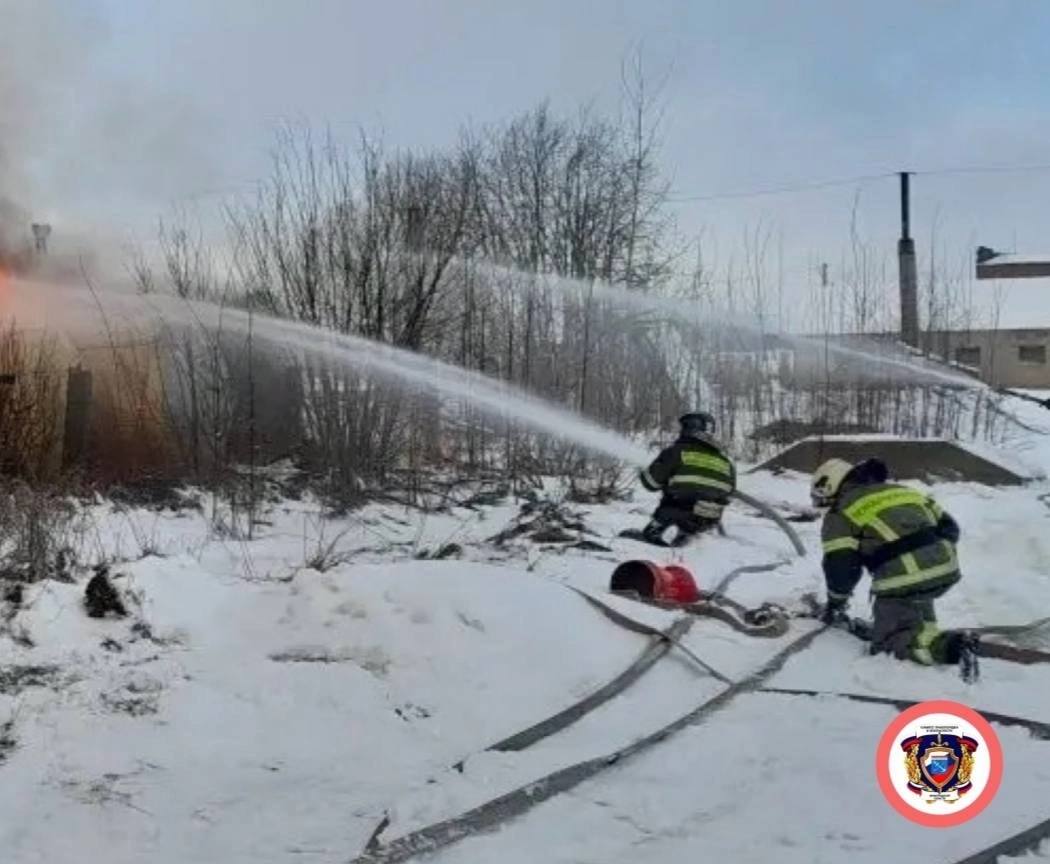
[903, 537]
[692, 471]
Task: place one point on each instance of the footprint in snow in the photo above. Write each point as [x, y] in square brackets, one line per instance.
[372, 659]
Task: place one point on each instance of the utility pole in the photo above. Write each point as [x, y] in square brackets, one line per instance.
[825, 300]
[908, 274]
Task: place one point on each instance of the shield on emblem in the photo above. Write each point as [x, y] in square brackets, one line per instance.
[939, 765]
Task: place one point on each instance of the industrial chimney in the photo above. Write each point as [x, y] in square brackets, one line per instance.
[909, 280]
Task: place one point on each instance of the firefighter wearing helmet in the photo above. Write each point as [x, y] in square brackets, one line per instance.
[906, 541]
[695, 478]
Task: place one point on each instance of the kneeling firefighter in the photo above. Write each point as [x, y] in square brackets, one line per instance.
[696, 479]
[906, 541]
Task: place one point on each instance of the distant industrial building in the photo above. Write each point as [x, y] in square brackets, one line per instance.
[1002, 358]
[1009, 357]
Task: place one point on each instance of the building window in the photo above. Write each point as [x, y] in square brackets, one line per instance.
[1034, 355]
[968, 356]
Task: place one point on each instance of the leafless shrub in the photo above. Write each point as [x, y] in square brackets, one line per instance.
[31, 398]
[36, 535]
[321, 551]
[600, 484]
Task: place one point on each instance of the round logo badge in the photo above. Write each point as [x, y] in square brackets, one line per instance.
[939, 763]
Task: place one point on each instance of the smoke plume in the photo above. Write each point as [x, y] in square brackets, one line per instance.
[88, 142]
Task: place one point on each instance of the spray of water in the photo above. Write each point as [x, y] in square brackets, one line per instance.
[709, 318]
[495, 398]
[65, 308]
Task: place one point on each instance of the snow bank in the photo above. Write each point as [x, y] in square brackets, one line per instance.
[252, 709]
[265, 718]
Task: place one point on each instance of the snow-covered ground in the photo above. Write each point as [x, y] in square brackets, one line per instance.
[270, 712]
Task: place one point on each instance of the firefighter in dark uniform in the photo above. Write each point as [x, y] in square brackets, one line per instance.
[907, 543]
[696, 479]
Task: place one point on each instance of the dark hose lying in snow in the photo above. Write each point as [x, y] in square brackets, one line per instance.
[661, 642]
[1037, 728]
[1024, 841]
[782, 523]
[494, 813]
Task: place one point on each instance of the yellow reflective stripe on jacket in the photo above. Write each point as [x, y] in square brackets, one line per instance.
[910, 564]
[696, 480]
[889, 535]
[850, 543]
[883, 530]
[907, 580]
[648, 480]
[867, 508]
[718, 464]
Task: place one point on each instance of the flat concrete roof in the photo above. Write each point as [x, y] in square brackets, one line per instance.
[1007, 267]
[931, 460]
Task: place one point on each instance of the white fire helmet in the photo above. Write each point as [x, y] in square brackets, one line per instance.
[827, 480]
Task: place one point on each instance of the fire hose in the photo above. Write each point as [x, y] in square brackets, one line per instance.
[782, 523]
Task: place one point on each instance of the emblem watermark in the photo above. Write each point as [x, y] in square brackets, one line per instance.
[939, 763]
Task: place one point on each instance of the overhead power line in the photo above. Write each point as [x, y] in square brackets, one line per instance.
[861, 178]
[787, 189]
[781, 190]
[986, 169]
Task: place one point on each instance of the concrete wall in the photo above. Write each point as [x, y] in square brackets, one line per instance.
[907, 459]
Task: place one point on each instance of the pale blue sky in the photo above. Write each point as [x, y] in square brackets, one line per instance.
[113, 109]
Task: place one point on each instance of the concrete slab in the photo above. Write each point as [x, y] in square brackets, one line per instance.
[931, 460]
